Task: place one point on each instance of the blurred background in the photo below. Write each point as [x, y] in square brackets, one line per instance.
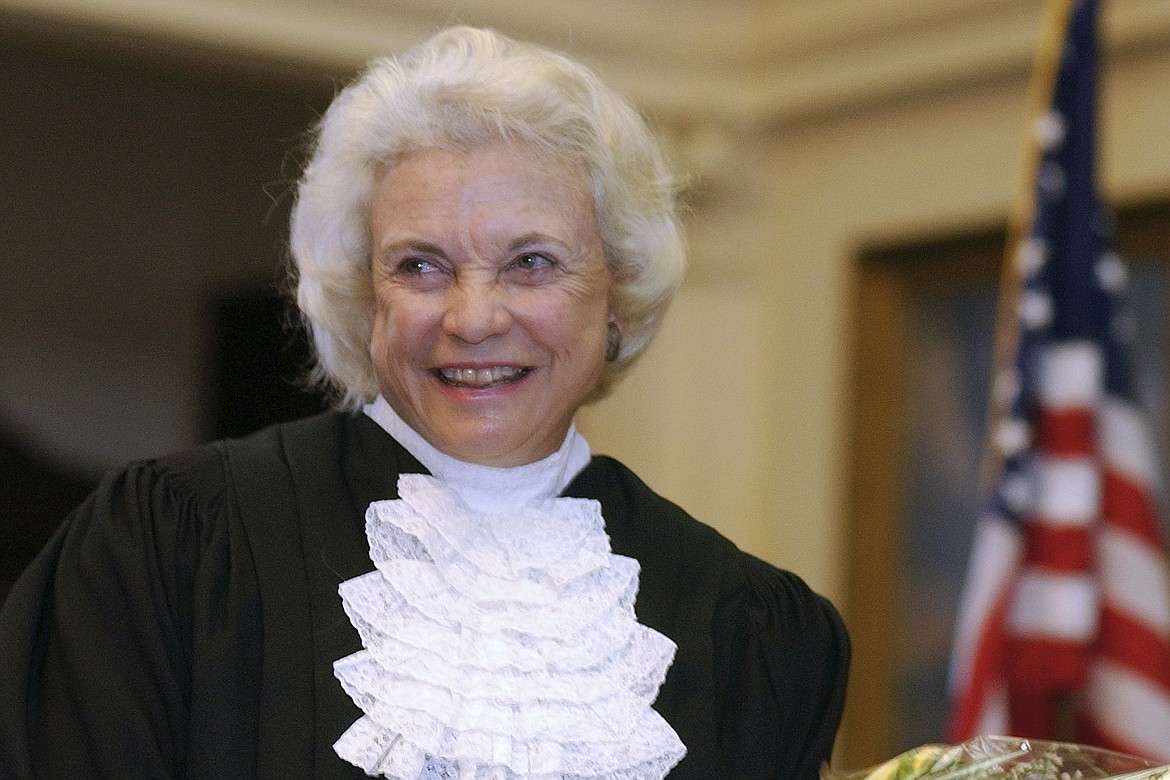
[818, 390]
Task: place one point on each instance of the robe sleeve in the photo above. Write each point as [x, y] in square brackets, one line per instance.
[97, 660]
[784, 654]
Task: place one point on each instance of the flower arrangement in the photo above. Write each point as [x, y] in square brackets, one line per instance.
[1008, 758]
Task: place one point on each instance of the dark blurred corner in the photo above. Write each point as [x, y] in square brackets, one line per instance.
[261, 357]
[148, 185]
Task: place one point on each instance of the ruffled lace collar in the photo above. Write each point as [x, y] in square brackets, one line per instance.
[500, 644]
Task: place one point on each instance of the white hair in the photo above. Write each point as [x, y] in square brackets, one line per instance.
[463, 89]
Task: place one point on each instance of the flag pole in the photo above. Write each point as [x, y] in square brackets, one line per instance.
[1042, 84]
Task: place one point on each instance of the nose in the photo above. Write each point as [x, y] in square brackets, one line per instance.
[477, 310]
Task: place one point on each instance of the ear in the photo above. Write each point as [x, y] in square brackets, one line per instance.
[611, 313]
[613, 341]
[612, 321]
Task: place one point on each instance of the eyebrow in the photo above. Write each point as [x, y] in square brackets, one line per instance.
[411, 245]
[528, 239]
[524, 241]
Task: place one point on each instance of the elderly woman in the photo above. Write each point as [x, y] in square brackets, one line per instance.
[438, 579]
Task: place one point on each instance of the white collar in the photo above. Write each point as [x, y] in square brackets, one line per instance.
[489, 489]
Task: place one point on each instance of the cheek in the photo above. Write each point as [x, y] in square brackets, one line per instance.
[396, 326]
[395, 306]
[573, 327]
[378, 313]
[407, 328]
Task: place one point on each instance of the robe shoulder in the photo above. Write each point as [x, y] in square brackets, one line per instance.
[96, 654]
[143, 639]
[758, 685]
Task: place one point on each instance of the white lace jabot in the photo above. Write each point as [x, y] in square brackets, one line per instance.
[500, 644]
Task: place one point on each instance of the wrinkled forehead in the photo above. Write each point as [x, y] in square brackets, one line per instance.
[495, 188]
[556, 165]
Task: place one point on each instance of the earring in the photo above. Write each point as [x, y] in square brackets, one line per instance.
[613, 342]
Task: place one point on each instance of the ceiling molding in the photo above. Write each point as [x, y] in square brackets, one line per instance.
[743, 63]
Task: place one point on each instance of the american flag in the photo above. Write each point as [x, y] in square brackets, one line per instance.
[1063, 630]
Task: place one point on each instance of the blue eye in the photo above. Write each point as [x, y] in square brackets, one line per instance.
[415, 265]
[532, 261]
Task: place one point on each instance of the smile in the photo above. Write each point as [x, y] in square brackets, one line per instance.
[480, 377]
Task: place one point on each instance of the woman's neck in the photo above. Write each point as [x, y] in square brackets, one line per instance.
[489, 489]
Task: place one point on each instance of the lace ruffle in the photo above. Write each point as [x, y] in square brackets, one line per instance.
[500, 646]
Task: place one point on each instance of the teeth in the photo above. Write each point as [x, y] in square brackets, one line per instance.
[479, 376]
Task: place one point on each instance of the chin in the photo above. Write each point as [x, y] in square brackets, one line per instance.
[497, 453]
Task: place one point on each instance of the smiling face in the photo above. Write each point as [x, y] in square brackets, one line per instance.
[491, 299]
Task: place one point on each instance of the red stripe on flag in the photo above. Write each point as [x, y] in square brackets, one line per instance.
[1046, 666]
[1128, 505]
[1057, 548]
[1134, 645]
[1065, 432]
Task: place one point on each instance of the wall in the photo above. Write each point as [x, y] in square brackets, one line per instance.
[136, 196]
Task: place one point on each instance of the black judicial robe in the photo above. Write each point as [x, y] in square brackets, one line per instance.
[184, 620]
